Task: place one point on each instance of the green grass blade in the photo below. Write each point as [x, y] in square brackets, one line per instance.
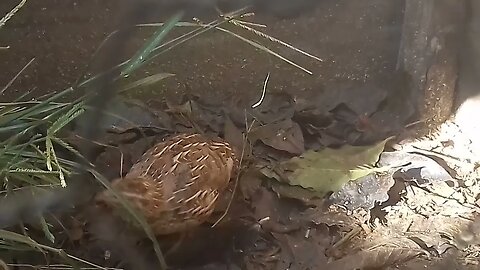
[46, 230]
[65, 119]
[139, 58]
[71, 149]
[16, 152]
[32, 110]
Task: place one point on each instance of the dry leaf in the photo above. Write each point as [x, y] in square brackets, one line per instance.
[379, 258]
[233, 135]
[286, 136]
[329, 169]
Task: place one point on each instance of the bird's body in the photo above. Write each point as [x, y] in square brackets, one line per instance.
[176, 183]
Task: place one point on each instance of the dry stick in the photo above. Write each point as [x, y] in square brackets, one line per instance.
[95, 142]
[12, 12]
[204, 27]
[54, 267]
[265, 49]
[121, 164]
[264, 90]
[230, 18]
[347, 237]
[241, 24]
[16, 76]
[252, 24]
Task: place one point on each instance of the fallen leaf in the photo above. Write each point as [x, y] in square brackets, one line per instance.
[234, 136]
[345, 114]
[208, 117]
[294, 192]
[250, 183]
[184, 108]
[268, 172]
[275, 107]
[312, 121]
[286, 136]
[329, 169]
[328, 140]
[349, 95]
[377, 258]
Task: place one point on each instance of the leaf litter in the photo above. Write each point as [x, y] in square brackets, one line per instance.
[312, 207]
[305, 206]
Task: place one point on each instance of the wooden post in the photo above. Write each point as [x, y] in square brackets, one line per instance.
[431, 38]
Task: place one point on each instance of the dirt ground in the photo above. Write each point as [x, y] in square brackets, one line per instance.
[357, 42]
[418, 213]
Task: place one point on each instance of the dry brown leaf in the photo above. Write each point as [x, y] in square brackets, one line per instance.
[378, 258]
[233, 135]
[286, 136]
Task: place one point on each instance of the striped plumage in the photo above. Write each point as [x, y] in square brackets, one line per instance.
[176, 183]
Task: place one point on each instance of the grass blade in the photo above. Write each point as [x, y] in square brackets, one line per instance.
[18, 238]
[139, 58]
[241, 24]
[46, 230]
[65, 119]
[135, 214]
[265, 49]
[146, 81]
[34, 109]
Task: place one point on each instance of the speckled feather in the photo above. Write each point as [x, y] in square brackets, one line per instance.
[176, 183]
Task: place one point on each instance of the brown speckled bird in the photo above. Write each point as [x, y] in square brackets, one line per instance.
[176, 183]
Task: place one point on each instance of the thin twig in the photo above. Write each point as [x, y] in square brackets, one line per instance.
[95, 142]
[241, 24]
[55, 266]
[16, 76]
[12, 12]
[263, 92]
[263, 48]
[121, 164]
[61, 251]
[252, 24]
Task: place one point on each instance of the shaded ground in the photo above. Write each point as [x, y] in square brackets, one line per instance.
[388, 220]
[358, 42]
